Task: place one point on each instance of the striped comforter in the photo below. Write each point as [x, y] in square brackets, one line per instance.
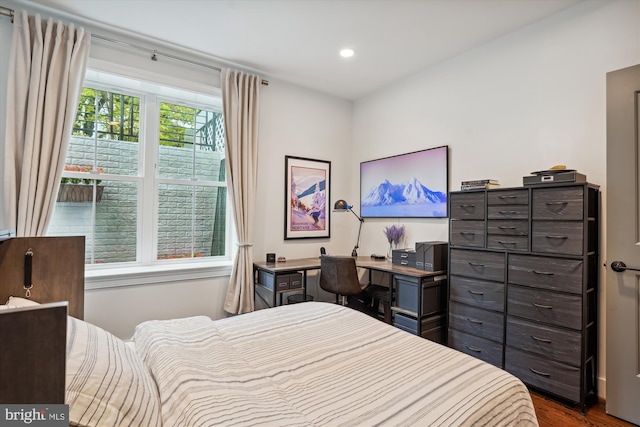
[318, 364]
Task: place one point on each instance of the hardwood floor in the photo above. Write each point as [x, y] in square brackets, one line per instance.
[554, 414]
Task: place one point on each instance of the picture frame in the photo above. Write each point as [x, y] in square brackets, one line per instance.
[307, 198]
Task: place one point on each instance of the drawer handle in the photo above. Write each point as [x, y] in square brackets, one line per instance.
[508, 212]
[548, 307]
[403, 262]
[556, 203]
[557, 237]
[507, 197]
[475, 292]
[467, 206]
[404, 255]
[541, 339]
[505, 227]
[502, 242]
[542, 273]
[542, 374]
[475, 264]
[467, 232]
[476, 349]
[476, 321]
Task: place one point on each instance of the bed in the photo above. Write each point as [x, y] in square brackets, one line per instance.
[308, 364]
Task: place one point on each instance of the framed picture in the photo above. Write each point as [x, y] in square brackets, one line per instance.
[307, 189]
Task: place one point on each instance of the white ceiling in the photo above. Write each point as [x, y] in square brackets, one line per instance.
[298, 40]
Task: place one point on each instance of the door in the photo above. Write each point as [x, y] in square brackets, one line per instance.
[623, 244]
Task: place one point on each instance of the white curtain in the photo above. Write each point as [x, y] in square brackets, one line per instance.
[47, 66]
[241, 101]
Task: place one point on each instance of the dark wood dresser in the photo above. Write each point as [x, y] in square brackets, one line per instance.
[523, 283]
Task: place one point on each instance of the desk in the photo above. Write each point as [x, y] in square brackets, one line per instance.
[418, 298]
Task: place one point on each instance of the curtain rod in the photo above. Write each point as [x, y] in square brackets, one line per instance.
[154, 53]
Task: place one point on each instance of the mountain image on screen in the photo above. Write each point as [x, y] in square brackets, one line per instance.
[388, 199]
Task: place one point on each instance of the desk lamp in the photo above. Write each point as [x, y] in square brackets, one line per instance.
[342, 206]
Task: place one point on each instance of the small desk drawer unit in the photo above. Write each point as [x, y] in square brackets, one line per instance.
[421, 306]
[404, 257]
[280, 282]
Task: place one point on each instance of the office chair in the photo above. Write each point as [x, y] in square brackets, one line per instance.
[339, 275]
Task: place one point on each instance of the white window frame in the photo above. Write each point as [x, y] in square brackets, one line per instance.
[147, 270]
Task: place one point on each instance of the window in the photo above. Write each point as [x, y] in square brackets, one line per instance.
[144, 179]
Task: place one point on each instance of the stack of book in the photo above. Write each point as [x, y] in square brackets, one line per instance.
[479, 184]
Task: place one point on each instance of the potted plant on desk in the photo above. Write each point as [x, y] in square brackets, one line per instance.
[394, 236]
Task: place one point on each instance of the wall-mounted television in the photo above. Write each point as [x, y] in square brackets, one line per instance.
[412, 185]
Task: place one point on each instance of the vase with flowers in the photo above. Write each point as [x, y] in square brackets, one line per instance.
[394, 234]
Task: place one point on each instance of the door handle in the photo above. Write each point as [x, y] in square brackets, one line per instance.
[619, 267]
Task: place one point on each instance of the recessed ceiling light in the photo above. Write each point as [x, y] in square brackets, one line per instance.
[347, 53]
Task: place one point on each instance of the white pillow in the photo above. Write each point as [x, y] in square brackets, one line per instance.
[107, 384]
[21, 302]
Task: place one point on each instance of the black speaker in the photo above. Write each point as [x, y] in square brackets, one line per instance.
[433, 255]
[271, 257]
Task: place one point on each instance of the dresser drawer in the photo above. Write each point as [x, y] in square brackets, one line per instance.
[545, 306]
[483, 265]
[488, 351]
[508, 212]
[467, 205]
[558, 344]
[479, 293]
[508, 197]
[467, 233]
[554, 377]
[556, 274]
[508, 227]
[564, 237]
[512, 243]
[476, 321]
[561, 203]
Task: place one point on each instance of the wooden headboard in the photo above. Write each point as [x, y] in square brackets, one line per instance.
[33, 355]
[57, 270]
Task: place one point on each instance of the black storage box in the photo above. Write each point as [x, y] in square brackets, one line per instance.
[431, 328]
[433, 293]
[281, 282]
[431, 256]
[554, 178]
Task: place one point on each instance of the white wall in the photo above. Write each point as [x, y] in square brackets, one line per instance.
[302, 123]
[525, 102]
